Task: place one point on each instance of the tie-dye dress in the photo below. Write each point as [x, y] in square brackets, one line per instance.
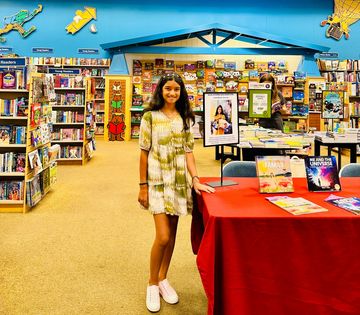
[165, 139]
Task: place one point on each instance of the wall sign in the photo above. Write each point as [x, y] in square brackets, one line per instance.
[90, 51]
[64, 71]
[12, 62]
[41, 50]
[5, 49]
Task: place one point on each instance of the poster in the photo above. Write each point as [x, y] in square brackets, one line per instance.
[221, 118]
[333, 104]
[259, 100]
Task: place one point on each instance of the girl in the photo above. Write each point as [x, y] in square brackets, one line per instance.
[166, 162]
[219, 120]
[277, 107]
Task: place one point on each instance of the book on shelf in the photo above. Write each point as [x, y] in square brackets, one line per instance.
[11, 190]
[296, 206]
[351, 204]
[35, 114]
[33, 191]
[53, 173]
[35, 161]
[274, 174]
[322, 173]
[12, 162]
[5, 132]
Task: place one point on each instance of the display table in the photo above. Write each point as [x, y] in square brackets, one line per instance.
[331, 144]
[255, 258]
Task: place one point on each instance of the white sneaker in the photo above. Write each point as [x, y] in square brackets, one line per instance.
[167, 292]
[153, 298]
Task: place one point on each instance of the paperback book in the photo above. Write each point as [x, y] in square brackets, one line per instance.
[296, 206]
[322, 173]
[274, 174]
[351, 204]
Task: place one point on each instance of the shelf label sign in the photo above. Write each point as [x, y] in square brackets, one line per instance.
[42, 50]
[329, 55]
[5, 49]
[64, 71]
[90, 51]
[12, 62]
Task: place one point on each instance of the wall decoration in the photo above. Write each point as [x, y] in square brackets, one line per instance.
[93, 28]
[346, 12]
[16, 22]
[116, 125]
[81, 19]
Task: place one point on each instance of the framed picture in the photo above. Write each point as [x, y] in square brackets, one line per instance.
[260, 100]
[333, 104]
[221, 121]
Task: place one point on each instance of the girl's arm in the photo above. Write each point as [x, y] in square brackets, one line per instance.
[191, 166]
[143, 193]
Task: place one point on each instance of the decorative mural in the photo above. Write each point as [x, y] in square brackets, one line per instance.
[16, 22]
[346, 12]
[116, 125]
[80, 19]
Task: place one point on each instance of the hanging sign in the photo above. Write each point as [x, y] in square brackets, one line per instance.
[42, 50]
[329, 55]
[90, 51]
[64, 71]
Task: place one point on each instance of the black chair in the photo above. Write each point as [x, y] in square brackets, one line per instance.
[240, 169]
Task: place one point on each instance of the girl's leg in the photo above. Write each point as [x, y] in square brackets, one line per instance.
[165, 263]
[162, 226]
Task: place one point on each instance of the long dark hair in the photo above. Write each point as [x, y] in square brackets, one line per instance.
[182, 104]
[217, 109]
[267, 77]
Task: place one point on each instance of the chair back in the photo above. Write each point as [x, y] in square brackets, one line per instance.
[240, 169]
[350, 170]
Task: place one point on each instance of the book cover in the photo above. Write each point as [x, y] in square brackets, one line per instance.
[35, 162]
[296, 206]
[5, 132]
[35, 114]
[15, 191]
[322, 173]
[34, 191]
[351, 204]
[274, 174]
[9, 80]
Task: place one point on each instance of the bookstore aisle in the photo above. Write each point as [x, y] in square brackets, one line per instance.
[85, 248]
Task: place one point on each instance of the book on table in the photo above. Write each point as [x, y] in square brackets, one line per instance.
[322, 173]
[351, 204]
[296, 206]
[274, 174]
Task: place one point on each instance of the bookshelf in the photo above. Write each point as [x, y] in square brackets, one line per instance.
[200, 76]
[93, 68]
[24, 117]
[72, 119]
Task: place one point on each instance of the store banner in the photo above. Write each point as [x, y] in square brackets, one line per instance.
[7, 62]
[6, 49]
[90, 51]
[64, 71]
[42, 50]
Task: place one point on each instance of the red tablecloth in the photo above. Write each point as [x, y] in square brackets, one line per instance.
[255, 258]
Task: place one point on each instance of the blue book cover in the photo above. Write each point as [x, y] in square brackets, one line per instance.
[322, 173]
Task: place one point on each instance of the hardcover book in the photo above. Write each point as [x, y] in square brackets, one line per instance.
[322, 173]
[274, 174]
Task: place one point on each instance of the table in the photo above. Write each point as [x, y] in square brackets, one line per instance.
[255, 258]
[330, 145]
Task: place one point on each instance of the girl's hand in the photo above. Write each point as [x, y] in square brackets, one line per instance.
[198, 187]
[143, 197]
